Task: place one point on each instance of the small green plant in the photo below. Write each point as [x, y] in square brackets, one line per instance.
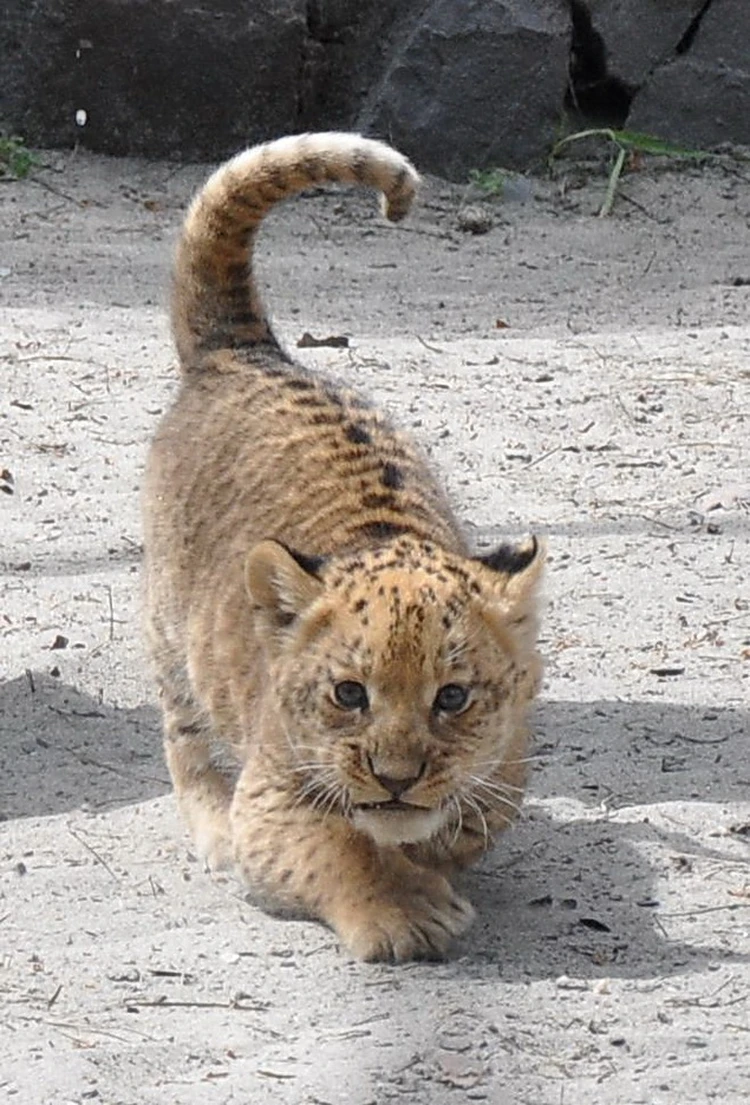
[491, 182]
[16, 161]
[626, 142]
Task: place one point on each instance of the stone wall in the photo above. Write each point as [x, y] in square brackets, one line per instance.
[457, 84]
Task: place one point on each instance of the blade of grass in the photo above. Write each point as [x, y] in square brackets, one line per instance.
[648, 143]
[614, 177]
[595, 132]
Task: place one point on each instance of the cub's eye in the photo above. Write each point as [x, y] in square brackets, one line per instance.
[350, 695]
[451, 698]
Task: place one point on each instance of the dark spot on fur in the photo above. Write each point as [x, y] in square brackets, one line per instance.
[358, 435]
[416, 612]
[313, 167]
[299, 383]
[326, 417]
[359, 165]
[400, 178]
[310, 398]
[378, 500]
[268, 192]
[381, 531]
[183, 731]
[392, 476]
[223, 336]
[252, 210]
[243, 317]
[277, 177]
[282, 618]
[360, 605]
[236, 273]
[333, 396]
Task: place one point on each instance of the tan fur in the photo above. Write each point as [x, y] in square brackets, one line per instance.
[296, 543]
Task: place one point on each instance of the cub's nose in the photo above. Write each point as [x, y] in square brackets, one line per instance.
[397, 785]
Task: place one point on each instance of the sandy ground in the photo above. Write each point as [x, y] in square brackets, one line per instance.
[588, 379]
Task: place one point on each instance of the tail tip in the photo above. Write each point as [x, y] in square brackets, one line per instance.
[397, 209]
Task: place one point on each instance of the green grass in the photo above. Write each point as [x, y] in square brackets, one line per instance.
[490, 182]
[626, 142]
[16, 161]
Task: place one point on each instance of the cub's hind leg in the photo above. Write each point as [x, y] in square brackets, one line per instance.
[203, 784]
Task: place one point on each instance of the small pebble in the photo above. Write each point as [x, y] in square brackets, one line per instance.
[696, 1041]
[565, 983]
[475, 218]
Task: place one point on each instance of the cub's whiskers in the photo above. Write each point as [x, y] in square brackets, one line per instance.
[477, 809]
[495, 792]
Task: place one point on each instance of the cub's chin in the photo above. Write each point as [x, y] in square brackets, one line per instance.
[392, 823]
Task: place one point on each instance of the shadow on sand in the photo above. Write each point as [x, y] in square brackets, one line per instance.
[567, 892]
[62, 750]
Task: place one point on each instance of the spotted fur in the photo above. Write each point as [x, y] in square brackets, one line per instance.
[314, 615]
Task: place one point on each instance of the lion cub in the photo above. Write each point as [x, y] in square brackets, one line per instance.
[344, 686]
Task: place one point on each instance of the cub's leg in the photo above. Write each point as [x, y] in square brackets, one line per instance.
[461, 847]
[381, 905]
[203, 791]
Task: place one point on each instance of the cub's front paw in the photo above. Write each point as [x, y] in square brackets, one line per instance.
[416, 920]
[210, 832]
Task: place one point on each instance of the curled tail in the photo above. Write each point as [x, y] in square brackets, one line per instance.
[216, 303]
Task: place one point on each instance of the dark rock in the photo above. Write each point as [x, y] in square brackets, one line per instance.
[475, 84]
[640, 35]
[347, 46]
[701, 97]
[154, 77]
[457, 85]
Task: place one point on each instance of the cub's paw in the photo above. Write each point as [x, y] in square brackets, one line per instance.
[215, 850]
[210, 832]
[414, 921]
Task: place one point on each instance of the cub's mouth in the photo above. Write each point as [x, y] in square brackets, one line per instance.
[393, 822]
[390, 805]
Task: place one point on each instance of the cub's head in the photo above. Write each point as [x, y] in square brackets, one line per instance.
[400, 677]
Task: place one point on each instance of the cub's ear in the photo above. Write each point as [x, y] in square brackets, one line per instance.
[518, 567]
[517, 571]
[282, 582]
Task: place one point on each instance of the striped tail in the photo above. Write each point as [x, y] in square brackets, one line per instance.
[215, 303]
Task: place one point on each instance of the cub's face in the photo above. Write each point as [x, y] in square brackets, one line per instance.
[401, 678]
